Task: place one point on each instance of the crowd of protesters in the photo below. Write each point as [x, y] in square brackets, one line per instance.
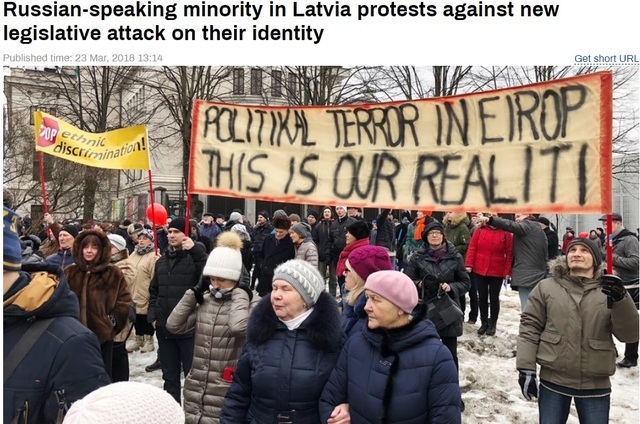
[331, 302]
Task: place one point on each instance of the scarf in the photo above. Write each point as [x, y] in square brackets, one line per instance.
[342, 260]
[438, 252]
[420, 226]
[144, 250]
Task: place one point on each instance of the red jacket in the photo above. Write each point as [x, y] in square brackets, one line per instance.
[490, 252]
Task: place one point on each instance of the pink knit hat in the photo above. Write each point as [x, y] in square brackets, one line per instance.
[366, 260]
[394, 286]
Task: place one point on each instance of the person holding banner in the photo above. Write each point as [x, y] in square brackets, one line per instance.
[64, 257]
[179, 269]
[566, 327]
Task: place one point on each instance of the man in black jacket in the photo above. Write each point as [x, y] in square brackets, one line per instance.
[552, 237]
[336, 243]
[179, 269]
[64, 364]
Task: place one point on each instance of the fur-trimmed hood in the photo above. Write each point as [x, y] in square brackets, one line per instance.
[104, 254]
[559, 268]
[322, 326]
[455, 219]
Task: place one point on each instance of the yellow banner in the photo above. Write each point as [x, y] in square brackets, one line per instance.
[124, 148]
[538, 148]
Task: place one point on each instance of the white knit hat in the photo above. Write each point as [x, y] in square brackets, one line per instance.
[225, 261]
[117, 241]
[126, 402]
[303, 277]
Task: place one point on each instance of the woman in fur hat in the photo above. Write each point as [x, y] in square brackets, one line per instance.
[218, 309]
[101, 288]
[293, 342]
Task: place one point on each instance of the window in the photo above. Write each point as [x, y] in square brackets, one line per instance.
[293, 86]
[276, 84]
[238, 81]
[39, 108]
[256, 81]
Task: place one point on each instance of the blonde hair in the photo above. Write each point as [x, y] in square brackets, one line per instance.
[353, 295]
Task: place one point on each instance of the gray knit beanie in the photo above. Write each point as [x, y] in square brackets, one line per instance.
[303, 277]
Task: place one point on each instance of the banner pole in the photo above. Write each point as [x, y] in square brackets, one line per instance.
[153, 214]
[609, 244]
[42, 183]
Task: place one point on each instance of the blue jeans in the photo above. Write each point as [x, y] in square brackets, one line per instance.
[524, 293]
[553, 408]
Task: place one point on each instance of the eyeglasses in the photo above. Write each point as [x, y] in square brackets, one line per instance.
[434, 233]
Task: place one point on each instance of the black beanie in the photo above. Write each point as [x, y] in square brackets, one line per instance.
[435, 225]
[71, 229]
[592, 246]
[178, 223]
[265, 214]
[359, 229]
[315, 214]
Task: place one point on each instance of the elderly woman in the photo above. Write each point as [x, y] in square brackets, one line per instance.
[218, 309]
[101, 288]
[396, 370]
[361, 263]
[293, 342]
[306, 249]
[439, 266]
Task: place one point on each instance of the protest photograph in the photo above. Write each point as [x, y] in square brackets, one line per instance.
[321, 244]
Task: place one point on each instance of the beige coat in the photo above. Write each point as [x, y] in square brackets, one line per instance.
[144, 266]
[220, 327]
[122, 261]
[567, 329]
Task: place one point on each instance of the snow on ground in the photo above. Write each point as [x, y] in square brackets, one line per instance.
[488, 377]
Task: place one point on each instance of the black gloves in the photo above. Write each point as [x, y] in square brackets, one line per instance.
[200, 289]
[612, 287]
[528, 384]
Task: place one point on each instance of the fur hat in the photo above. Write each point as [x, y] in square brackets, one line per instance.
[235, 216]
[302, 229]
[394, 286]
[366, 260]
[126, 402]
[178, 223]
[71, 229]
[225, 261]
[589, 244]
[134, 228]
[281, 223]
[12, 253]
[435, 225]
[303, 277]
[359, 229]
[117, 241]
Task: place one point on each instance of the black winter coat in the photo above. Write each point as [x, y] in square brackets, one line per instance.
[260, 233]
[65, 361]
[337, 237]
[282, 370]
[175, 272]
[274, 252]
[320, 236]
[449, 269]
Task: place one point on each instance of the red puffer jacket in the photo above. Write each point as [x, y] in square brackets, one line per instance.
[490, 252]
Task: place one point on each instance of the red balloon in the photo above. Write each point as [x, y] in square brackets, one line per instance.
[157, 215]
